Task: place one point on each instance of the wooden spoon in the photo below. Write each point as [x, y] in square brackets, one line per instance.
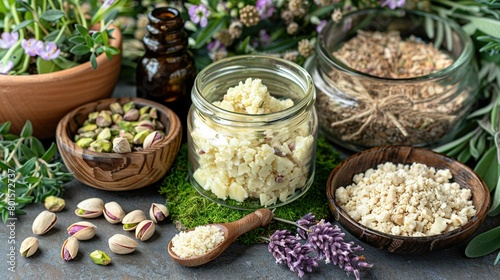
[259, 218]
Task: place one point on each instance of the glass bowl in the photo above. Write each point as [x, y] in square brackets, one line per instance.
[359, 108]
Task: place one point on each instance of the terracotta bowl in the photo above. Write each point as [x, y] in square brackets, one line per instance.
[342, 176]
[44, 99]
[112, 171]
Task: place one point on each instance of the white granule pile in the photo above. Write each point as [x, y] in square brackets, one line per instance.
[252, 97]
[407, 200]
[197, 242]
[241, 163]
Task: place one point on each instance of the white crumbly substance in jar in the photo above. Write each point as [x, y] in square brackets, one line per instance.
[265, 165]
[197, 242]
[407, 200]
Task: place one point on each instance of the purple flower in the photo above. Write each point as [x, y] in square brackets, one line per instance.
[107, 4]
[32, 46]
[8, 39]
[6, 67]
[328, 241]
[49, 51]
[320, 26]
[265, 39]
[199, 14]
[393, 4]
[265, 8]
[286, 248]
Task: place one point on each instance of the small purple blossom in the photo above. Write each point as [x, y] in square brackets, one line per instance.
[393, 4]
[32, 47]
[49, 51]
[6, 67]
[321, 25]
[8, 39]
[286, 248]
[265, 39]
[265, 8]
[107, 4]
[199, 14]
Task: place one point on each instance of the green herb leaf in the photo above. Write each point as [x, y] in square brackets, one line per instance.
[488, 169]
[93, 60]
[45, 66]
[205, 34]
[22, 25]
[80, 50]
[28, 153]
[52, 15]
[50, 153]
[5, 127]
[78, 40]
[487, 25]
[27, 130]
[82, 30]
[27, 167]
[495, 201]
[484, 244]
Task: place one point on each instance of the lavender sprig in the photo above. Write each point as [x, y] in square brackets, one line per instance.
[321, 241]
[328, 242]
[286, 248]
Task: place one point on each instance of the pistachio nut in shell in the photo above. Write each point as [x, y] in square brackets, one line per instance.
[90, 208]
[152, 139]
[29, 246]
[113, 212]
[54, 203]
[69, 249]
[145, 230]
[158, 212]
[44, 222]
[132, 219]
[121, 244]
[82, 230]
[121, 145]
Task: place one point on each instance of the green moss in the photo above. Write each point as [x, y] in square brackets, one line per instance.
[189, 208]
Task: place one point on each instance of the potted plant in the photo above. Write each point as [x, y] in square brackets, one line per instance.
[54, 57]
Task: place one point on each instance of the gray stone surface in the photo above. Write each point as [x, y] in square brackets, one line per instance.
[151, 261]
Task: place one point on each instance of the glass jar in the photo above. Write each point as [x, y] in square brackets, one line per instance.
[358, 109]
[248, 161]
[166, 71]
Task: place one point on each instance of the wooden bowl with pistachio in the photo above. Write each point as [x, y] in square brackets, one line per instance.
[407, 200]
[119, 144]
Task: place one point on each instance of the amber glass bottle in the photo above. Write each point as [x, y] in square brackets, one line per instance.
[166, 72]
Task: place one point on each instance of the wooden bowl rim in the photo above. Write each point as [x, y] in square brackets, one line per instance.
[115, 41]
[170, 136]
[479, 216]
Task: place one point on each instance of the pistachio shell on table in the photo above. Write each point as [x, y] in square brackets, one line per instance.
[132, 219]
[113, 212]
[82, 230]
[29, 246]
[121, 244]
[145, 230]
[69, 249]
[44, 222]
[158, 212]
[90, 208]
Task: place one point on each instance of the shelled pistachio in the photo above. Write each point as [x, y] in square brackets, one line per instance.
[99, 257]
[104, 130]
[54, 203]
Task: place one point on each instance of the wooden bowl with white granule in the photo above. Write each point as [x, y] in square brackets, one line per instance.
[407, 200]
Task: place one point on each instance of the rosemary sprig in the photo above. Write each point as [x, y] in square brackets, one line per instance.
[29, 172]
